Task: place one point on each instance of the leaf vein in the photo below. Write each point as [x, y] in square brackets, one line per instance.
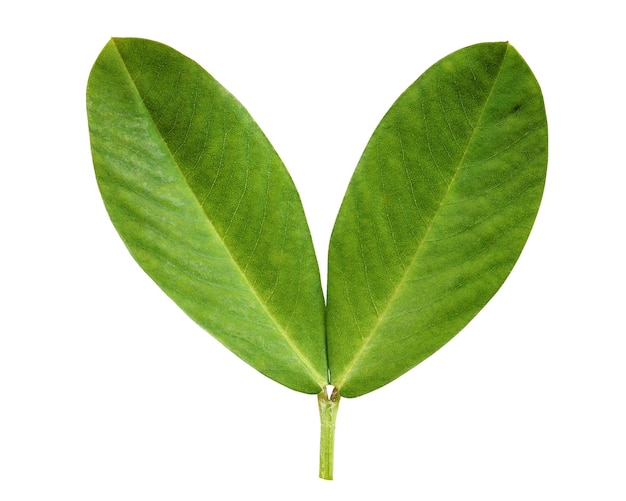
[372, 334]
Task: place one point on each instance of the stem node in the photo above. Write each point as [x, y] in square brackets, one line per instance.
[328, 403]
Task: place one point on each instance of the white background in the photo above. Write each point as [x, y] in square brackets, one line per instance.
[109, 392]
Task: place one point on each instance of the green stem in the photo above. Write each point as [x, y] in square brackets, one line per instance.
[328, 403]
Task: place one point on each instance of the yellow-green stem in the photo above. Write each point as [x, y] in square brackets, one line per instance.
[328, 403]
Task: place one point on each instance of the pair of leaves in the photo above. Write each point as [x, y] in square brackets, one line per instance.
[435, 216]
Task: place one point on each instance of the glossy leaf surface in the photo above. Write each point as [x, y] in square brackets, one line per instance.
[206, 207]
[436, 214]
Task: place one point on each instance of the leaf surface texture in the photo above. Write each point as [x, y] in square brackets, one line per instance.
[206, 207]
[436, 214]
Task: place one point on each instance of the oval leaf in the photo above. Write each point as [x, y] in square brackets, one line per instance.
[206, 207]
[436, 214]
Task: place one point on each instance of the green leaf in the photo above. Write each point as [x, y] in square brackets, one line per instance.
[206, 207]
[436, 214]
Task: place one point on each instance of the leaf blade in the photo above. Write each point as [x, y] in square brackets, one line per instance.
[461, 154]
[182, 167]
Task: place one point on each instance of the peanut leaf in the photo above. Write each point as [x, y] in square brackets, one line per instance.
[434, 218]
[206, 207]
[436, 214]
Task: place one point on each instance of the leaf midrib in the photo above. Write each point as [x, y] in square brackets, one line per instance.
[369, 339]
[317, 377]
